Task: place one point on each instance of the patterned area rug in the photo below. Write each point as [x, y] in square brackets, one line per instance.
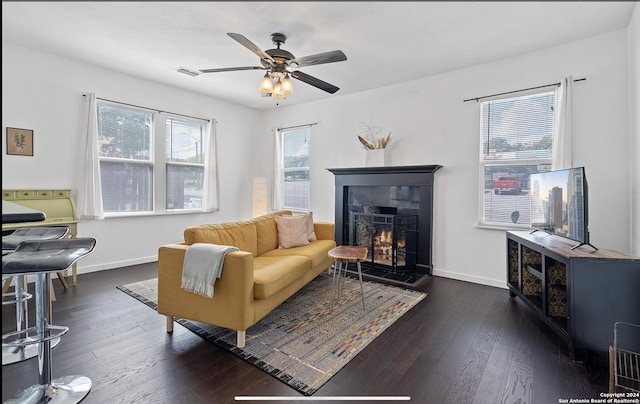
[304, 342]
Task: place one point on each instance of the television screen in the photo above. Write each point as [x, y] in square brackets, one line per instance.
[559, 203]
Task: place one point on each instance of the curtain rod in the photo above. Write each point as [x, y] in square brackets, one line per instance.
[517, 91]
[151, 109]
[297, 126]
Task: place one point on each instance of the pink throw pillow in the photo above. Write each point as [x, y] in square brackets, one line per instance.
[292, 231]
[311, 233]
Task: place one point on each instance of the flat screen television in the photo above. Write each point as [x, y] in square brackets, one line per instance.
[559, 204]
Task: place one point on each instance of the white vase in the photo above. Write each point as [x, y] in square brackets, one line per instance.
[375, 158]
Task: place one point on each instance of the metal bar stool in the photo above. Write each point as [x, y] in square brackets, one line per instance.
[10, 242]
[41, 258]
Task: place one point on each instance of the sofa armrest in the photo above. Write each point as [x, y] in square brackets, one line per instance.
[324, 230]
[232, 302]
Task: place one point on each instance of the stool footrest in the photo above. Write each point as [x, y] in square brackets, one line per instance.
[11, 355]
[30, 336]
[17, 299]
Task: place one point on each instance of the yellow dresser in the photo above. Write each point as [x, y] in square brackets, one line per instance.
[57, 204]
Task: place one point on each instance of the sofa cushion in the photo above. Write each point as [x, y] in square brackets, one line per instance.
[238, 234]
[292, 231]
[272, 274]
[267, 230]
[317, 251]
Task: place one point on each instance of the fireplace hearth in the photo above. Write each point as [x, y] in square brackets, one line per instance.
[389, 210]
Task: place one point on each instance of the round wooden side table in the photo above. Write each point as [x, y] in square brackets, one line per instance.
[342, 256]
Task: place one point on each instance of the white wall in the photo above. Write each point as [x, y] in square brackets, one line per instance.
[634, 126]
[432, 125]
[43, 92]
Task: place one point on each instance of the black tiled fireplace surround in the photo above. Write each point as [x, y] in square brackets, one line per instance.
[408, 188]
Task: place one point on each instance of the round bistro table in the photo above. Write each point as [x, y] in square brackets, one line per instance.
[342, 256]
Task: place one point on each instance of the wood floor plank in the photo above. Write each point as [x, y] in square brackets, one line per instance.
[458, 346]
[432, 389]
[519, 383]
[527, 341]
[467, 378]
[547, 367]
[513, 314]
[575, 383]
[493, 383]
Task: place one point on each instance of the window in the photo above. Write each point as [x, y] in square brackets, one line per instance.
[184, 156]
[149, 162]
[515, 141]
[293, 169]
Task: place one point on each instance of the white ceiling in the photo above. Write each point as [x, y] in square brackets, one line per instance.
[385, 42]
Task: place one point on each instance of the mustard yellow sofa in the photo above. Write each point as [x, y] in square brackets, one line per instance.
[253, 281]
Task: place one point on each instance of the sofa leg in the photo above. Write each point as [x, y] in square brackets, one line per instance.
[169, 324]
[240, 339]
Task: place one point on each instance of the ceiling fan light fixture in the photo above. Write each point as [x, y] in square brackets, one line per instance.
[278, 63]
[278, 91]
[287, 85]
[266, 86]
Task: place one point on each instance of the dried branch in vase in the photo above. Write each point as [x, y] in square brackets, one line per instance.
[366, 144]
[370, 136]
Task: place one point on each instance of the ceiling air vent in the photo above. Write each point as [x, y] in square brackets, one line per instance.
[188, 72]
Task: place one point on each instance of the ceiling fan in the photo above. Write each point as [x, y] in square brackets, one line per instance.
[279, 64]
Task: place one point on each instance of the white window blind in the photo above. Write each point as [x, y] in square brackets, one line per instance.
[518, 128]
[515, 142]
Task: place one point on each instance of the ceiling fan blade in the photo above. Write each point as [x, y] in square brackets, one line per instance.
[251, 46]
[232, 69]
[320, 58]
[322, 85]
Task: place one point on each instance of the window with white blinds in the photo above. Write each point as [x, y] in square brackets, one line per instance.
[515, 142]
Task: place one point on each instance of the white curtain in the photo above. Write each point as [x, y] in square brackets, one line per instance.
[278, 173]
[211, 195]
[89, 200]
[563, 131]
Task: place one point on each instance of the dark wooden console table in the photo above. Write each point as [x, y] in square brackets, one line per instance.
[579, 293]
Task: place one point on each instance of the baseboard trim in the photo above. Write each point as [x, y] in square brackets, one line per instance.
[436, 272]
[470, 278]
[115, 264]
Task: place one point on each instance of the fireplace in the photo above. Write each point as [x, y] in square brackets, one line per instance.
[391, 238]
[389, 210]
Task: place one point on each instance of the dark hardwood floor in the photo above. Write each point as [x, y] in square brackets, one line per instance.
[464, 343]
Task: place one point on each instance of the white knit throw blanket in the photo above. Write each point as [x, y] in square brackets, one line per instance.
[202, 266]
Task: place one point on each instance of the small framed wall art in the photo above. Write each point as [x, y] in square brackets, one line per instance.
[20, 141]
